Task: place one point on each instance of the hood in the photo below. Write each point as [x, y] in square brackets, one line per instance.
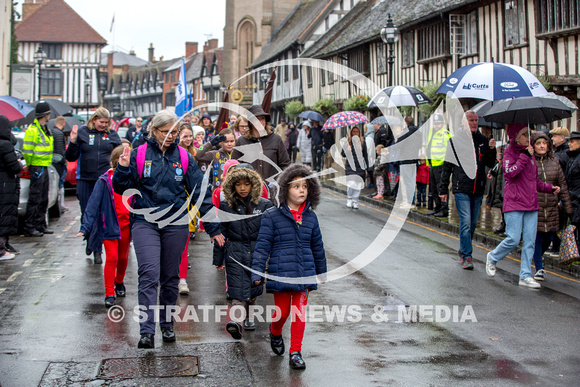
[5, 128]
[299, 170]
[538, 135]
[513, 129]
[237, 174]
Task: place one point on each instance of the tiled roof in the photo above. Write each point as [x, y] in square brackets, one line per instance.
[295, 29]
[120, 59]
[365, 21]
[194, 69]
[56, 22]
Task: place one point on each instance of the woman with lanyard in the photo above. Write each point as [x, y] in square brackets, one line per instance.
[164, 174]
[91, 145]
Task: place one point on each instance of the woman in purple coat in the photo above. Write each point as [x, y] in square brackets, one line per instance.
[520, 206]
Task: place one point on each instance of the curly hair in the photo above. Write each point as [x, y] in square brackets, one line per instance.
[294, 171]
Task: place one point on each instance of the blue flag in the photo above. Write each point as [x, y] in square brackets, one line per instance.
[181, 97]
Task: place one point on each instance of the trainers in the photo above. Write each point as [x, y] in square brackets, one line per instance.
[7, 257]
[489, 267]
[183, 288]
[12, 249]
[349, 203]
[355, 205]
[378, 197]
[540, 275]
[529, 283]
[467, 263]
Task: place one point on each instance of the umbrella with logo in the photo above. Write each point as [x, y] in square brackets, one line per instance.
[492, 81]
[311, 115]
[344, 119]
[399, 96]
[530, 110]
[14, 108]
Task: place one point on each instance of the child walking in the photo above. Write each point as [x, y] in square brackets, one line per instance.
[242, 190]
[290, 237]
[422, 182]
[217, 158]
[114, 230]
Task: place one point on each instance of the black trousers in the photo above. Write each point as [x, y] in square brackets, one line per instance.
[37, 199]
[317, 158]
[434, 179]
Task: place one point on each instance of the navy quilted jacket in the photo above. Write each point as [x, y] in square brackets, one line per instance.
[295, 250]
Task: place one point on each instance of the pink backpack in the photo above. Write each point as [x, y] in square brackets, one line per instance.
[142, 150]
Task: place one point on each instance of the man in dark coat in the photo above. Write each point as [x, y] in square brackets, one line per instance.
[10, 167]
[317, 142]
[561, 147]
[572, 173]
[133, 130]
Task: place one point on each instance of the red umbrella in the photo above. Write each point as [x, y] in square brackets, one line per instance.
[224, 112]
[267, 101]
[14, 108]
[124, 121]
[342, 119]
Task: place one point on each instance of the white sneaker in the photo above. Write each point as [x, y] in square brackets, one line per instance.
[529, 283]
[183, 288]
[349, 203]
[355, 205]
[7, 257]
[489, 267]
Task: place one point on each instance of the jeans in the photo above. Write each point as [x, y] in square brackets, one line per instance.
[468, 209]
[516, 223]
[543, 240]
[421, 193]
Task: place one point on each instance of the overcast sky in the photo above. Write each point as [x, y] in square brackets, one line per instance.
[168, 24]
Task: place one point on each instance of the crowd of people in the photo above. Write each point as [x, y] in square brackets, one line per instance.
[171, 164]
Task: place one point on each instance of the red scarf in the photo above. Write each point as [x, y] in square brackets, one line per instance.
[298, 214]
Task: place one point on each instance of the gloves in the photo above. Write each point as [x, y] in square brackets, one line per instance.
[527, 152]
[216, 140]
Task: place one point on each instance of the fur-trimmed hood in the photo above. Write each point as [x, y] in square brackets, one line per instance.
[236, 174]
[298, 170]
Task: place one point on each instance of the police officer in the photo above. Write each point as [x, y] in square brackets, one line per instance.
[37, 151]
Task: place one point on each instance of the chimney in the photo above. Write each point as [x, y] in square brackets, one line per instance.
[29, 6]
[210, 45]
[151, 53]
[110, 64]
[190, 49]
[132, 53]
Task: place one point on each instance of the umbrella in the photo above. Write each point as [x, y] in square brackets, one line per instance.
[70, 122]
[123, 121]
[57, 108]
[342, 119]
[13, 108]
[311, 115]
[399, 96]
[267, 101]
[531, 110]
[481, 109]
[492, 81]
[386, 120]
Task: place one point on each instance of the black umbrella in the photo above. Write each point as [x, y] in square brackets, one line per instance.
[70, 122]
[311, 115]
[399, 96]
[530, 110]
[481, 109]
[57, 108]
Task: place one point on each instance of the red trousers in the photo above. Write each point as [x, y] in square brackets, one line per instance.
[290, 303]
[117, 257]
[184, 262]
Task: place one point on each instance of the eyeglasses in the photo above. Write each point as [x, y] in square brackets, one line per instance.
[172, 133]
[243, 126]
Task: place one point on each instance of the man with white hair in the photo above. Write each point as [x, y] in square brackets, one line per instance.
[136, 124]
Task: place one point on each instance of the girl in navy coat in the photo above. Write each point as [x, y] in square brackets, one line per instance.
[114, 229]
[290, 237]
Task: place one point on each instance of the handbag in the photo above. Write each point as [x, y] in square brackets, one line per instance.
[568, 246]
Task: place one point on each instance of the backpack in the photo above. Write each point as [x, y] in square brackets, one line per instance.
[142, 150]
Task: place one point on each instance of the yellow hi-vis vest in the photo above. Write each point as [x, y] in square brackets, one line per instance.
[37, 148]
[437, 147]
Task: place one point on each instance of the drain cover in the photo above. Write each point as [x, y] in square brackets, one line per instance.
[148, 367]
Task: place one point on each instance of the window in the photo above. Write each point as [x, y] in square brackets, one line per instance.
[331, 75]
[309, 76]
[322, 77]
[557, 15]
[515, 22]
[295, 68]
[381, 58]
[408, 48]
[463, 33]
[51, 82]
[53, 51]
[286, 68]
[358, 60]
[433, 41]
[170, 99]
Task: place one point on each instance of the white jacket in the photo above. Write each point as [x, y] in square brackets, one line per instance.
[304, 144]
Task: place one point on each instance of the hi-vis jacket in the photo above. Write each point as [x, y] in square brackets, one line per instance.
[37, 148]
[437, 147]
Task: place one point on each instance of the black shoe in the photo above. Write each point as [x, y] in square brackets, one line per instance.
[109, 301]
[11, 249]
[499, 230]
[441, 214]
[249, 325]
[234, 329]
[33, 233]
[277, 344]
[87, 250]
[120, 290]
[191, 236]
[168, 334]
[97, 258]
[432, 212]
[45, 230]
[147, 341]
[296, 361]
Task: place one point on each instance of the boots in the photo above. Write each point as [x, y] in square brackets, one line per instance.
[444, 212]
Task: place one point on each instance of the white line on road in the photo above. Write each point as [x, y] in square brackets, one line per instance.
[67, 228]
[39, 251]
[2, 290]
[27, 263]
[72, 223]
[49, 243]
[58, 236]
[13, 276]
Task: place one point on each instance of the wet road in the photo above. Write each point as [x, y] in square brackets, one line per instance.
[54, 327]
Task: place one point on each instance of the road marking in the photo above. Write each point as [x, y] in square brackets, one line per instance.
[72, 223]
[58, 236]
[39, 251]
[67, 228]
[447, 235]
[77, 218]
[2, 290]
[13, 276]
[49, 243]
[27, 263]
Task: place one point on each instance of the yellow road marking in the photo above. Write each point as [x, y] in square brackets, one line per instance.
[447, 235]
[13, 276]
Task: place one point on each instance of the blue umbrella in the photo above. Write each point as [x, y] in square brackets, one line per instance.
[311, 115]
[13, 108]
[492, 81]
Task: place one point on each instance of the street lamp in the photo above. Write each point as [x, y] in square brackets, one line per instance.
[265, 77]
[390, 36]
[88, 83]
[223, 90]
[39, 57]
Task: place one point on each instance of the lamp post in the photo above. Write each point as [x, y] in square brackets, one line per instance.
[39, 57]
[88, 93]
[265, 77]
[390, 36]
[223, 90]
